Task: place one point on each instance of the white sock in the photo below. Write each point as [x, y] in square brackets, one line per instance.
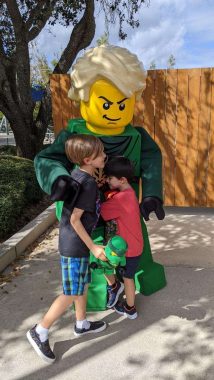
[83, 324]
[43, 332]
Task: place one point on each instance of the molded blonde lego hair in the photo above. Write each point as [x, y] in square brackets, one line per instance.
[113, 63]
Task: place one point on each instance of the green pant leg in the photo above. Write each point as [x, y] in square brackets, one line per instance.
[150, 276]
[97, 290]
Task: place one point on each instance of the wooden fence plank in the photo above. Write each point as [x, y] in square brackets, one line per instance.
[160, 98]
[203, 140]
[210, 171]
[194, 78]
[181, 139]
[170, 128]
[70, 109]
[67, 107]
[144, 110]
[56, 103]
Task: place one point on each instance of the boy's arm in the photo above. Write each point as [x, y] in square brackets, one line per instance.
[110, 209]
[76, 223]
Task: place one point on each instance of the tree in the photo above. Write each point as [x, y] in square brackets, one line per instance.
[21, 21]
[39, 68]
[103, 39]
[171, 62]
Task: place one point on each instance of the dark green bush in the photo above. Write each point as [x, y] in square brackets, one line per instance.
[18, 188]
[11, 149]
[8, 150]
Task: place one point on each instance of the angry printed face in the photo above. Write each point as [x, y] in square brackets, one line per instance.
[108, 111]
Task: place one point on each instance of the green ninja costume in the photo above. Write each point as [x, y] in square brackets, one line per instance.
[135, 144]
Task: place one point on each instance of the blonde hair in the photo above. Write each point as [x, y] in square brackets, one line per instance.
[116, 64]
[80, 146]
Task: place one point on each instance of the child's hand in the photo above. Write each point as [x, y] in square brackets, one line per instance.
[99, 252]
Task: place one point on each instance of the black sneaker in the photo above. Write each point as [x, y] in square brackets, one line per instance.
[121, 309]
[95, 327]
[113, 294]
[41, 348]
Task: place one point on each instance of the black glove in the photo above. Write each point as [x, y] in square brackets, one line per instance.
[150, 204]
[65, 189]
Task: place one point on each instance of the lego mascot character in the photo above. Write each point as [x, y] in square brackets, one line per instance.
[107, 81]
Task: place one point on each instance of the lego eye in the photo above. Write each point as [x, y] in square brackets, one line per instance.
[106, 106]
[122, 106]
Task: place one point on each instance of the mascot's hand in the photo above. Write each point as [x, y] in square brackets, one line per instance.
[151, 204]
[65, 188]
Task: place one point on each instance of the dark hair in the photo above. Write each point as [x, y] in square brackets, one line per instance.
[80, 146]
[119, 167]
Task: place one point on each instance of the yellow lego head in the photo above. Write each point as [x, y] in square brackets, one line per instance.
[107, 80]
[108, 109]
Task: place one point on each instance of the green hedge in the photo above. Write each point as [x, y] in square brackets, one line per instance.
[18, 188]
[11, 149]
[8, 150]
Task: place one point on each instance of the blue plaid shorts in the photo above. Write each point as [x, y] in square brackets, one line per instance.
[75, 275]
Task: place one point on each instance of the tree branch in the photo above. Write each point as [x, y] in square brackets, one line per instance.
[35, 13]
[3, 58]
[81, 37]
[16, 17]
[43, 10]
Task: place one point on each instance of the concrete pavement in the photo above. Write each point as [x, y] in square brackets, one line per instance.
[172, 339]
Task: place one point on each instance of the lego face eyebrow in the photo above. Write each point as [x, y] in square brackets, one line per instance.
[107, 100]
[122, 100]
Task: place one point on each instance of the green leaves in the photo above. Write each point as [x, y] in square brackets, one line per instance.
[19, 188]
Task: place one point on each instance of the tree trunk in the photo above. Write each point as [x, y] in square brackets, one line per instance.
[44, 118]
[15, 87]
[25, 138]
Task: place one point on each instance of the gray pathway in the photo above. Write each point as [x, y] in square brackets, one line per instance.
[173, 338]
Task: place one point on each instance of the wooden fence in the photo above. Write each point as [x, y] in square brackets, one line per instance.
[177, 109]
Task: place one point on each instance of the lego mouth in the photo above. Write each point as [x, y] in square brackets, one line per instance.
[108, 118]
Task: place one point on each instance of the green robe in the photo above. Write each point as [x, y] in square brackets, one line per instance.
[135, 144]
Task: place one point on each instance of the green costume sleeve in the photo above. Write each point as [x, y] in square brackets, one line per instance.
[52, 162]
[151, 166]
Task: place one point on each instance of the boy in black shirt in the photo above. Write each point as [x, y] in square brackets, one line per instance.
[79, 218]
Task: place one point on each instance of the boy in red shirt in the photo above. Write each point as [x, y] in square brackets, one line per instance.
[123, 207]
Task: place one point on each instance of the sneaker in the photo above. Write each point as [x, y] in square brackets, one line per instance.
[95, 327]
[121, 309]
[113, 294]
[41, 348]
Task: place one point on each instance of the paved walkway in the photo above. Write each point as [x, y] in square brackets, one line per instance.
[173, 338]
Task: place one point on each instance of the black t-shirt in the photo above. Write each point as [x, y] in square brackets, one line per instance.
[70, 244]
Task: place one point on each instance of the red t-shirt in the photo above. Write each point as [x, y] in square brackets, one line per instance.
[124, 208]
